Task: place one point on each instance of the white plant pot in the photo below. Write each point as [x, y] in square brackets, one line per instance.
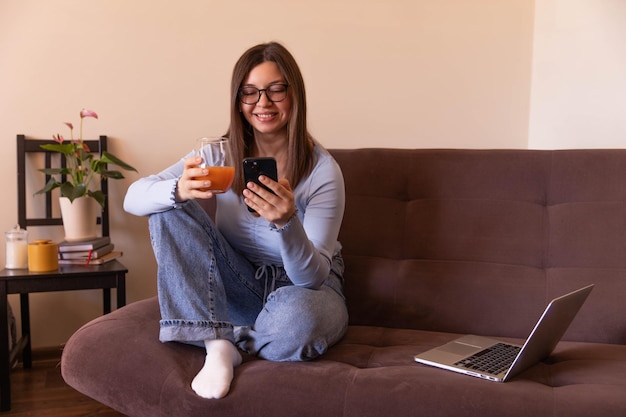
[80, 218]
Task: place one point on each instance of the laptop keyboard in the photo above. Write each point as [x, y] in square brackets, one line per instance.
[493, 360]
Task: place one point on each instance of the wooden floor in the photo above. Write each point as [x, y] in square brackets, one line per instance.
[41, 392]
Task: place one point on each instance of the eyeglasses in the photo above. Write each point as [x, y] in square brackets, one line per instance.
[274, 93]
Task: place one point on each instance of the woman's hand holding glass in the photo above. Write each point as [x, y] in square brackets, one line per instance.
[191, 185]
[208, 172]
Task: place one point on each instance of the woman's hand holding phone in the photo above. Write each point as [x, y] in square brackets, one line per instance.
[265, 195]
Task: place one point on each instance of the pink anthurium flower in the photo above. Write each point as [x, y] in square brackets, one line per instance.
[88, 113]
[68, 124]
[58, 138]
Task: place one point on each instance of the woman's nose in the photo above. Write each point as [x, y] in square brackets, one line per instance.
[264, 100]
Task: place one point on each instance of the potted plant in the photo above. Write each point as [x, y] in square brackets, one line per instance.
[82, 168]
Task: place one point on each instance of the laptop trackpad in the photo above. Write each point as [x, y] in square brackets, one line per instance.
[459, 348]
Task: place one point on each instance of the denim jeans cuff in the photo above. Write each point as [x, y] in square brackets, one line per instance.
[194, 331]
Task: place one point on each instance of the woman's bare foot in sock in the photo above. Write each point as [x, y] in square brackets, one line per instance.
[213, 380]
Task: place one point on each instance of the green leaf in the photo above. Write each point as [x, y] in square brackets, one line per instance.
[50, 185]
[112, 159]
[64, 148]
[70, 191]
[98, 196]
[116, 175]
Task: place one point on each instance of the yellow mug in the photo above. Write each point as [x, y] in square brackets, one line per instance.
[43, 255]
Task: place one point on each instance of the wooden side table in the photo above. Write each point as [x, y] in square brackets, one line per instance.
[66, 278]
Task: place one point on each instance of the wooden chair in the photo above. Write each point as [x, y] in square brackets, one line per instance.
[67, 277]
[26, 147]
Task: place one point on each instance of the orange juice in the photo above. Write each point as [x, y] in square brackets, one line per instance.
[221, 179]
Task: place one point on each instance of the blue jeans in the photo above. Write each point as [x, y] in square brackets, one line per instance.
[205, 287]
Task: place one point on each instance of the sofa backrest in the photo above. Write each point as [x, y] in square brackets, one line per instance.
[478, 241]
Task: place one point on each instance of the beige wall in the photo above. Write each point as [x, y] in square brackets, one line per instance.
[579, 75]
[380, 73]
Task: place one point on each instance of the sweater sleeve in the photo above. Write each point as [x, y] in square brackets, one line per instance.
[309, 241]
[154, 193]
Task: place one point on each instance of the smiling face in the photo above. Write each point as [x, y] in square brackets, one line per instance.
[267, 118]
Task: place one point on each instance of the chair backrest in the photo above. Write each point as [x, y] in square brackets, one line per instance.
[27, 147]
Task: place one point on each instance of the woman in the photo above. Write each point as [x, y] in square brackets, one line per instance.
[268, 283]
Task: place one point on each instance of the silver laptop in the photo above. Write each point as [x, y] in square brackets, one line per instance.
[500, 361]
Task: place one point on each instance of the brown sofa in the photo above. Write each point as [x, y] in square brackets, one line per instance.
[436, 243]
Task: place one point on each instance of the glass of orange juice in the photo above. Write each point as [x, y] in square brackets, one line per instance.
[216, 157]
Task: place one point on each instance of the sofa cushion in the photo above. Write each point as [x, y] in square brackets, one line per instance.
[454, 240]
[118, 360]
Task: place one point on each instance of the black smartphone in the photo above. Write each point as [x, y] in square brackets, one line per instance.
[254, 167]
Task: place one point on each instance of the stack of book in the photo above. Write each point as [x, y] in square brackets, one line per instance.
[87, 252]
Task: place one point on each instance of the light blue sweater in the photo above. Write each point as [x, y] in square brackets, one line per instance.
[304, 247]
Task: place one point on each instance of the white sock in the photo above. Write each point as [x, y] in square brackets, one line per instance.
[213, 380]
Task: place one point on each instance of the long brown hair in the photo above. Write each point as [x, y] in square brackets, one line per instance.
[240, 133]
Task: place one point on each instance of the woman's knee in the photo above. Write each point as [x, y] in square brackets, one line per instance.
[303, 323]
